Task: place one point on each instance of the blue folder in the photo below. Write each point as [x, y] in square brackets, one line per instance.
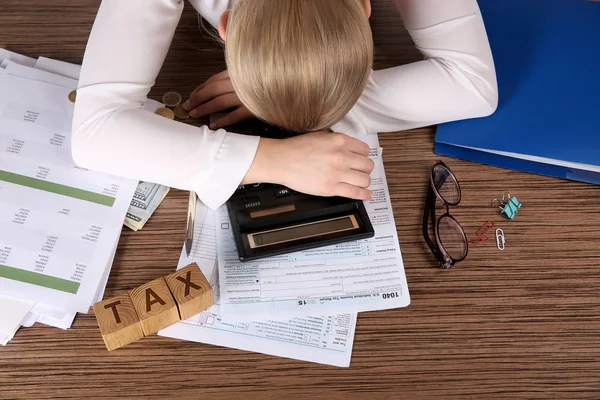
[547, 58]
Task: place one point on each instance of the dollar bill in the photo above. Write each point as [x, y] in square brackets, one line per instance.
[145, 201]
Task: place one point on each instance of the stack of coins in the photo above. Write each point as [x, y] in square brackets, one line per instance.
[165, 112]
[173, 109]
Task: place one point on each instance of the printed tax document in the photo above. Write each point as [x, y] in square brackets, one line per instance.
[59, 223]
[356, 276]
[324, 339]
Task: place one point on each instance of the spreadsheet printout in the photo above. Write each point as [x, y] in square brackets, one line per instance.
[58, 222]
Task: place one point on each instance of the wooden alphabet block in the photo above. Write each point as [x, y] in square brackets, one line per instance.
[118, 321]
[155, 306]
[191, 291]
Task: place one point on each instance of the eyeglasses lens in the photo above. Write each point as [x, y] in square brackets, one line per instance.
[452, 238]
[446, 185]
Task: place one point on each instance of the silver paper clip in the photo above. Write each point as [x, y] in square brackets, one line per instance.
[500, 239]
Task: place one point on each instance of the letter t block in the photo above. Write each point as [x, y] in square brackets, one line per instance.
[118, 321]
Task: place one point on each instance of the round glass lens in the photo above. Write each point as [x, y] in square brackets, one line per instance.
[446, 185]
[452, 238]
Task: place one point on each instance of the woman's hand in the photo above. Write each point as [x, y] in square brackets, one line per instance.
[216, 95]
[318, 163]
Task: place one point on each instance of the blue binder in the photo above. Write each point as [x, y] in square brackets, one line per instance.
[547, 58]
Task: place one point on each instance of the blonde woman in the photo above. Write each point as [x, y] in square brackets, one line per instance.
[300, 64]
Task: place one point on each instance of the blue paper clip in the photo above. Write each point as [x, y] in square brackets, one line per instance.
[509, 206]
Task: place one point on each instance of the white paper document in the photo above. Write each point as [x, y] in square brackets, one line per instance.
[7, 55]
[37, 311]
[356, 276]
[5, 338]
[58, 222]
[321, 339]
[41, 312]
[12, 313]
[58, 67]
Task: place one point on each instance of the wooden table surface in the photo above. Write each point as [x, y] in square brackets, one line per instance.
[519, 323]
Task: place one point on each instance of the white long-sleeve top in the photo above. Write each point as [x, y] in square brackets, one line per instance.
[129, 42]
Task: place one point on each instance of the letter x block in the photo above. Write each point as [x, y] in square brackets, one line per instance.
[155, 306]
[191, 290]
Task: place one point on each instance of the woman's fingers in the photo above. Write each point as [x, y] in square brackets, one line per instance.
[220, 103]
[318, 163]
[356, 178]
[350, 143]
[208, 92]
[360, 163]
[217, 77]
[343, 189]
[238, 115]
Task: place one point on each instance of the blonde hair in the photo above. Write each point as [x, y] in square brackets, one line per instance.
[299, 64]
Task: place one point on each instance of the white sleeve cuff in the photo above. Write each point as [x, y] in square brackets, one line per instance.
[230, 165]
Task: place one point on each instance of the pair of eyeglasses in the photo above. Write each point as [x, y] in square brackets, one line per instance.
[449, 243]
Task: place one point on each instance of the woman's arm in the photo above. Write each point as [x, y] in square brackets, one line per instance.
[111, 131]
[456, 80]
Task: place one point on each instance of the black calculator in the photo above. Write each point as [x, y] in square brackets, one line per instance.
[269, 220]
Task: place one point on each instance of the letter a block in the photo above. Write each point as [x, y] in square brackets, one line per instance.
[154, 305]
[118, 321]
[191, 290]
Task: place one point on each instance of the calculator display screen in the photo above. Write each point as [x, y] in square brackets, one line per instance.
[302, 231]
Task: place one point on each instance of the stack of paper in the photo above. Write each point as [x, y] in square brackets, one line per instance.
[302, 305]
[60, 224]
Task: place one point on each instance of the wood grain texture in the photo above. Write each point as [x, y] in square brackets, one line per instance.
[522, 323]
[191, 291]
[118, 321]
[155, 306]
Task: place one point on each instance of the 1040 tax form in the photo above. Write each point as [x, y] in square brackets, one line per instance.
[364, 275]
[324, 339]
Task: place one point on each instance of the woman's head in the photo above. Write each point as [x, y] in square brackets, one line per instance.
[298, 64]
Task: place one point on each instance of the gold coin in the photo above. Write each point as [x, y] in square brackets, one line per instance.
[165, 112]
[180, 113]
[171, 99]
[73, 96]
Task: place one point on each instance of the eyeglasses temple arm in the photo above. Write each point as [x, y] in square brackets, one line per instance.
[426, 215]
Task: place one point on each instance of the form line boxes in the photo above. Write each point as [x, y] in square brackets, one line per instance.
[160, 303]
